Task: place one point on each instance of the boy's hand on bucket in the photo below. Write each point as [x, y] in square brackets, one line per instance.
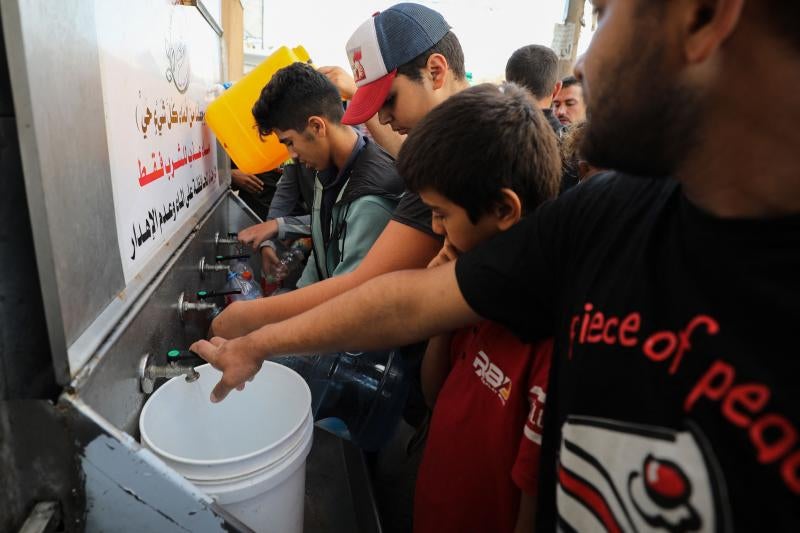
[237, 359]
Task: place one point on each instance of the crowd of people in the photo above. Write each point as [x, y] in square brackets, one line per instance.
[604, 267]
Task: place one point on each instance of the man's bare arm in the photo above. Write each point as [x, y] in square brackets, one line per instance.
[399, 247]
[391, 310]
[384, 135]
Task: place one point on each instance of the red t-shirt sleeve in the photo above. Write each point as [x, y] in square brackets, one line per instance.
[525, 472]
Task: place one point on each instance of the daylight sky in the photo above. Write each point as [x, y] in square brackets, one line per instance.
[489, 30]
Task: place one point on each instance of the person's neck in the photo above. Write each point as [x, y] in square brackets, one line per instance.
[746, 162]
[456, 86]
[545, 103]
[343, 140]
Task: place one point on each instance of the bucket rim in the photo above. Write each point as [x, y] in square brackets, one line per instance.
[214, 462]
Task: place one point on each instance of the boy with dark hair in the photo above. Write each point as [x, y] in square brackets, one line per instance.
[356, 185]
[487, 389]
[535, 67]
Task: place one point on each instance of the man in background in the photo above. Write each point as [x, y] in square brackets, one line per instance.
[568, 105]
[535, 67]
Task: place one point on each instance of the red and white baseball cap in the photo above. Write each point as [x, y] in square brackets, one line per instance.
[381, 44]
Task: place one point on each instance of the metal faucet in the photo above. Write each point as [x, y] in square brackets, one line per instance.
[179, 363]
[184, 306]
[231, 239]
[204, 267]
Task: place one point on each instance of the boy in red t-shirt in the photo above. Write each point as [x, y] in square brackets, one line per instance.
[481, 160]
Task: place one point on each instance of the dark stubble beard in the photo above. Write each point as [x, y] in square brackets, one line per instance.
[640, 119]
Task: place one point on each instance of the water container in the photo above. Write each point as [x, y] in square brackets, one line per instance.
[244, 282]
[247, 452]
[231, 119]
[358, 396]
[241, 266]
[291, 261]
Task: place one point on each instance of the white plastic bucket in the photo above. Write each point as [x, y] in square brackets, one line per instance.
[248, 451]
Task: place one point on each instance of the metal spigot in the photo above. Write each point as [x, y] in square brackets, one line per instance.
[204, 267]
[179, 363]
[184, 306]
[230, 239]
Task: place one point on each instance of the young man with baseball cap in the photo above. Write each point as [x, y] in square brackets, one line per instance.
[405, 62]
[673, 404]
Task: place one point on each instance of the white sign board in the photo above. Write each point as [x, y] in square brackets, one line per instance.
[564, 40]
[158, 72]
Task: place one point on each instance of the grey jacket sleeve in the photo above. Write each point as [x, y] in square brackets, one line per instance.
[287, 193]
[294, 227]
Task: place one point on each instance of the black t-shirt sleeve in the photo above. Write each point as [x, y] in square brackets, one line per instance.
[412, 212]
[523, 277]
[513, 278]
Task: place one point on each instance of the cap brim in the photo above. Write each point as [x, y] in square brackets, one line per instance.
[368, 100]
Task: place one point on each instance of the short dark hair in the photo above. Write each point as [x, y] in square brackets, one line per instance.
[569, 81]
[479, 141]
[449, 46]
[535, 67]
[294, 94]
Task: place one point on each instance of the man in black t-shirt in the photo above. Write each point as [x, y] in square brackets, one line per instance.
[674, 302]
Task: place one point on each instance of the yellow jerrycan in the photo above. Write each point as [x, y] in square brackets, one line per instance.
[231, 119]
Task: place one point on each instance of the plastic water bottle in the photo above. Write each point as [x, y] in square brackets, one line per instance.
[358, 396]
[244, 282]
[291, 260]
[241, 266]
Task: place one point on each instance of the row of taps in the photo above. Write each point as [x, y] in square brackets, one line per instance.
[183, 362]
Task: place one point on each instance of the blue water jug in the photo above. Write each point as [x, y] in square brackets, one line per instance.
[358, 396]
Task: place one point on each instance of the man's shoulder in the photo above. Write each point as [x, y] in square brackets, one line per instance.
[374, 173]
[371, 202]
[373, 155]
[618, 181]
[612, 191]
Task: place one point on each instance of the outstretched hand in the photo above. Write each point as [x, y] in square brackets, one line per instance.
[269, 261]
[248, 182]
[258, 233]
[238, 360]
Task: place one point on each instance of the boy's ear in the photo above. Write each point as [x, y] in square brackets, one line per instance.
[437, 68]
[508, 210]
[316, 126]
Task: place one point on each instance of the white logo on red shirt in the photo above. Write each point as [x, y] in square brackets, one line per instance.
[492, 376]
[533, 427]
